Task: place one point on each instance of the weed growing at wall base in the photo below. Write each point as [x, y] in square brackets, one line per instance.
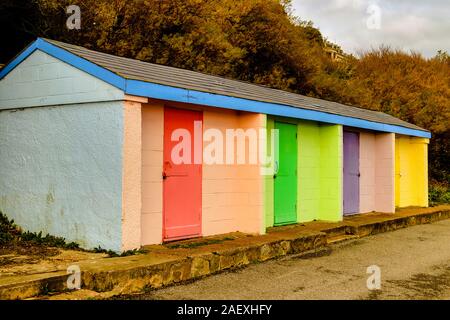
[10, 233]
[113, 254]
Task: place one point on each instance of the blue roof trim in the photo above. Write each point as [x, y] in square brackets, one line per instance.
[18, 59]
[69, 58]
[164, 92]
[157, 91]
[83, 64]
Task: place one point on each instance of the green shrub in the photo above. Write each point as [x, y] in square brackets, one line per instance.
[7, 229]
[438, 193]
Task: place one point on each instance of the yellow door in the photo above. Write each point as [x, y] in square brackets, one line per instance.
[411, 174]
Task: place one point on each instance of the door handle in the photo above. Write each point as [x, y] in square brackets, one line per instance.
[176, 174]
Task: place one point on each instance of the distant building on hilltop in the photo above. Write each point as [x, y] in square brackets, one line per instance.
[333, 51]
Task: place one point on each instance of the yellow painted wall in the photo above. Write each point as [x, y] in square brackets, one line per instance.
[411, 171]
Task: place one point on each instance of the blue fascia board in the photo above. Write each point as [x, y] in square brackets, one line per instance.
[164, 92]
[18, 59]
[83, 64]
[69, 58]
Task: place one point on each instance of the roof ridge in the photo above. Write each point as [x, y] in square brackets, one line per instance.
[221, 77]
[167, 66]
[160, 81]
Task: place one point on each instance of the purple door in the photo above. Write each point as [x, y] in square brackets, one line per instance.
[351, 173]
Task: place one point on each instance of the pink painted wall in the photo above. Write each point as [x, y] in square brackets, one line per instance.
[131, 177]
[376, 167]
[367, 158]
[152, 167]
[385, 173]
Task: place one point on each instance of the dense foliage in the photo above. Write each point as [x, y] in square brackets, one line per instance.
[252, 40]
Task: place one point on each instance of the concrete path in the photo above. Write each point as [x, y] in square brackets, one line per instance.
[184, 261]
[414, 262]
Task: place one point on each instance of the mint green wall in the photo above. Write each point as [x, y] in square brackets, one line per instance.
[331, 173]
[319, 166]
[319, 172]
[308, 171]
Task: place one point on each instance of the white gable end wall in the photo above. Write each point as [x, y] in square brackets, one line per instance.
[42, 80]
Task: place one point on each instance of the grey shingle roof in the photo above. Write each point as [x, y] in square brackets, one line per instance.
[191, 80]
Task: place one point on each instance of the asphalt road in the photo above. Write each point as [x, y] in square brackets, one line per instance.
[414, 264]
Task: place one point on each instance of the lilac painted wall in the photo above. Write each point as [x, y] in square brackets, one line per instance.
[351, 173]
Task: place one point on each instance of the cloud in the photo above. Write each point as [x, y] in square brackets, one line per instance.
[410, 25]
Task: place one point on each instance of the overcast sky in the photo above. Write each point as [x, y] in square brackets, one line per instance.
[419, 25]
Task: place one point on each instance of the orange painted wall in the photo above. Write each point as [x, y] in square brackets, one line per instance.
[232, 193]
[232, 197]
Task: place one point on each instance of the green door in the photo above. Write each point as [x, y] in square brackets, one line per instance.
[285, 178]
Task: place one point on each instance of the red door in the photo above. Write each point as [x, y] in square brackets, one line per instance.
[182, 184]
